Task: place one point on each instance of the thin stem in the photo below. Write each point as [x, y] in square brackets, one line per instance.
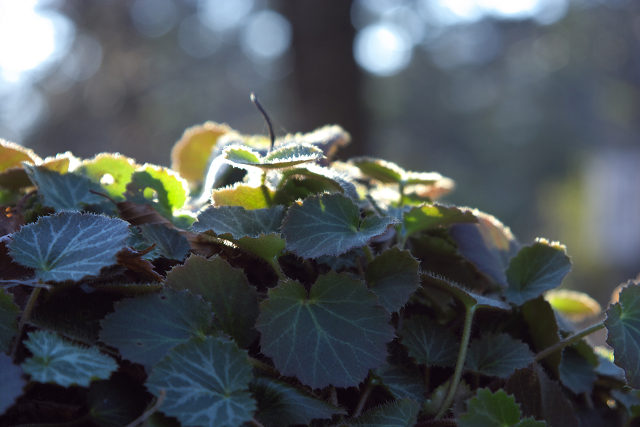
[363, 398]
[259, 364]
[462, 356]
[31, 302]
[569, 340]
[146, 414]
[333, 396]
[367, 253]
[256, 422]
[255, 101]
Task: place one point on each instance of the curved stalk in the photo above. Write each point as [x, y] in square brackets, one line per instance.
[31, 302]
[568, 341]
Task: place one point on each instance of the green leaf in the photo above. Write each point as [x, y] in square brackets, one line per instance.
[8, 320]
[489, 409]
[266, 246]
[536, 269]
[380, 170]
[329, 224]
[60, 362]
[434, 215]
[63, 191]
[69, 245]
[543, 329]
[12, 155]
[233, 299]
[402, 381]
[399, 413]
[280, 404]
[145, 328]
[11, 382]
[466, 296]
[159, 186]
[623, 326]
[333, 334]
[243, 195]
[576, 372]
[241, 156]
[116, 402]
[428, 342]
[281, 157]
[497, 355]
[112, 171]
[206, 384]
[393, 277]
[169, 243]
[325, 178]
[574, 305]
[238, 221]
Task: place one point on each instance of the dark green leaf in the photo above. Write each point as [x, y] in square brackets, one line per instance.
[60, 362]
[63, 191]
[145, 328]
[281, 405]
[8, 320]
[112, 171]
[434, 215]
[466, 296]
[428, 342]
[206, 384]
[116, 402]
[393, 277]
[536, 269]
[239, 222]
[169, 243]
[399, 413]
[329, 224]
[623, 326]
[497, 355]
[332, 335]
[489, 409]
[69, 245]
[233, 299]
[543, 329]
[402, 381]
[576, 372]
[243, 195]
[11, 383]
[380, 170]
[436, 398]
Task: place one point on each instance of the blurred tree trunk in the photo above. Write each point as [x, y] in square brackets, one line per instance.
[326, 80]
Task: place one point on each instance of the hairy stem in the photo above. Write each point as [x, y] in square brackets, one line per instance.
[146, 414]
[569, 340]
[363, 398]
[462, 356]
[31, 302]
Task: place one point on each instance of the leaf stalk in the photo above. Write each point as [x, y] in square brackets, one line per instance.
[568, 341]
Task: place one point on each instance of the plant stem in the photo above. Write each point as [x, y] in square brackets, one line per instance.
[256, 422]
[259, 364]
[363, 398]
[568, 341]
[31, 302]
[146, 414]
[367, 253]
[462, 356]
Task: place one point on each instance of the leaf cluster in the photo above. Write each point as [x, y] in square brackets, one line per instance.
[274, 286]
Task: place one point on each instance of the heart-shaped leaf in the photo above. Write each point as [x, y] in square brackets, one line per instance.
[63, 191]
[8, 320]
[60, 362]
[623, 326]
[494, 409]
[239, 222]
[69, 245]
[393, 276]
[332, 334]
[11, 382]
[329, 224]
[498, 355]
[205, 383]
[428, 342]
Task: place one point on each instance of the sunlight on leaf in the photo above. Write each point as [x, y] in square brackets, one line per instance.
[243, 195]
[112, 171]
[238, 221]
[63, 191]
[576, 306]
[623, 326]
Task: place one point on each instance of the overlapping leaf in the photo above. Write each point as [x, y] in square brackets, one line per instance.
[112, 171]
[466, 296]
[282, 157]
[429, 343]
[69, 245]
[12, 155]
[63, 191]
[116, 402]
[243, 195]
[576, 372]
[399, 413]
[329, 224]
[494, 409]
[169, 242]
[536, 269]
[333, 334]
[402, 381]
[318, 178]
[205, 384]
[158, 186]
[543, 328]
[239, 222]
[8, 320]
[11, 383]
[498, 355]
[393, 277]
[574, 305]
[434, 215]
[145, 328]
[233, 299]
[58, 361]
[623, 326]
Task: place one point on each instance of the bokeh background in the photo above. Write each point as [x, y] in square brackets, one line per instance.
[532, 106]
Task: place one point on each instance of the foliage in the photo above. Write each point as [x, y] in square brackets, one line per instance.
[298, 290]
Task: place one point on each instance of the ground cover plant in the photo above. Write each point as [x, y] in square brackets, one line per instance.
[261, 282]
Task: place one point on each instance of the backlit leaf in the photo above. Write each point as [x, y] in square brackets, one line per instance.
[431, 216]
[399, 413]
[497, 355]
[69, 245]
[623, 326]
[243, 195]
[536, 269]
[159, 186]
[190, 155]
[393, 277]
[266, 246]
[145, 328]
[326, 178]
[12, 155]
[241, 156]
[238, 221]
[281, 157]
[55, 360]
[428, 342]
[112, 170]
[574, 305]
[489, 409]
[206, 384]
[226, 288]
[380, 170]
[11, 383]
[333, 334]
[329, 224]
[281, 405]
[8, 320]
[63, 191]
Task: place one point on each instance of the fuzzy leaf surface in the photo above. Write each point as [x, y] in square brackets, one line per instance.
[112, 171]
[536, 269]
[393, 276]
[243, 195]
[380, 170]
[434, 215]
[623, 326]
[402, 381]
[189, 156]
[169, 243]
[466, 296]
[226, 288]
[332, 335]
[428, 342]
[12, 155]
[8, 320]
[145, 328]
[280, 404]
[63, 191]
[400, 413]
[206, 384]
[239, 222]
[11, 382]
[158, 186]
[489, 409]
[498, 355]
[60, 362]
[329, 224]
[69, 245]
